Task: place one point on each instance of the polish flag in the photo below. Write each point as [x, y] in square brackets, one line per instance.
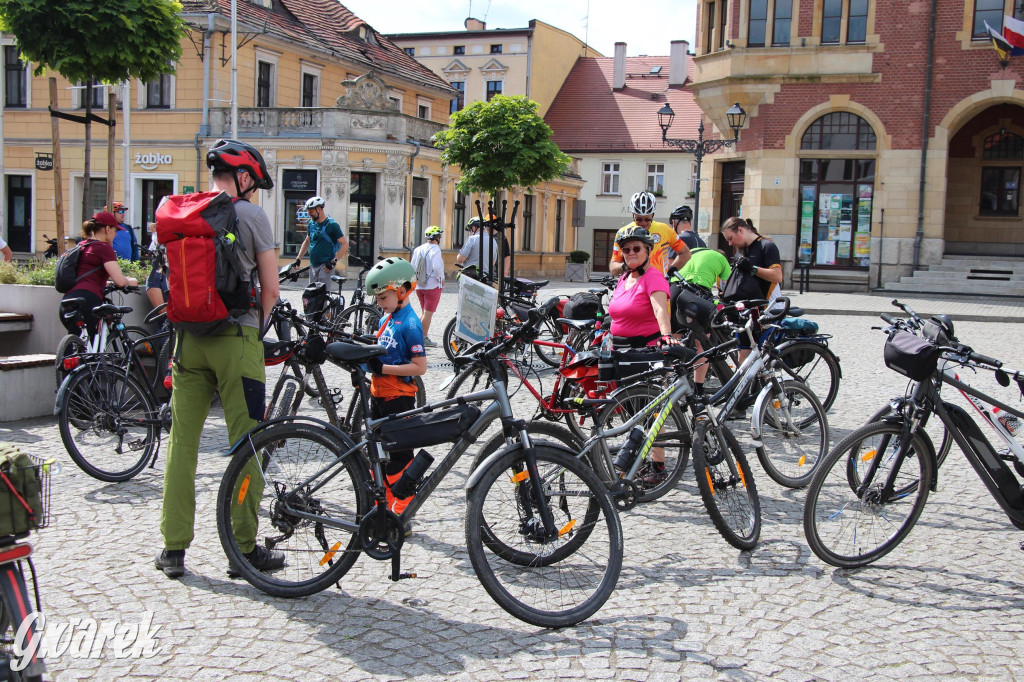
[1013, 31]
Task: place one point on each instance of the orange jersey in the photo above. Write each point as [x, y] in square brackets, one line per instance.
[665, 239]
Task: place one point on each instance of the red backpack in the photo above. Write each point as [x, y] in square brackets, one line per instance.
[208, 287]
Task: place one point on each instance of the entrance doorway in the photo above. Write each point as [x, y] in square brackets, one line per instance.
[362, 237]
[153, 192]
[19, 213]
[604, 240]
[732, 200]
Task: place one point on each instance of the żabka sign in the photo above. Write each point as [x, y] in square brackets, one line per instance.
[151, 161]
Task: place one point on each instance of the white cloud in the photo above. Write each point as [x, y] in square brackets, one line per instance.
[646, 26]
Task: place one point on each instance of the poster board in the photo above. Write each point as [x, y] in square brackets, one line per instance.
[477, 311]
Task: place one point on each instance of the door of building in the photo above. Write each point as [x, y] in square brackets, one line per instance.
[362, 237]
[732, 200]
[298, 187]
[153, 191]
[604, 240]
[19, 213]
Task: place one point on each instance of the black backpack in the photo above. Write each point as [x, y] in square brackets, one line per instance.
[67, 269]
[583, 305]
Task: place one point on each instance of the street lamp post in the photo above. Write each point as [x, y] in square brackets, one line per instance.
[700, 146]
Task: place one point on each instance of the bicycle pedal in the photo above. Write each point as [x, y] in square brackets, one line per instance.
[402, 576]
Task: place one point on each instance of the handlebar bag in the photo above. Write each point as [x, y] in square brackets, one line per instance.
[428, 428]
[911, 356]
[625, 364]
[691, 304]
[22, 477]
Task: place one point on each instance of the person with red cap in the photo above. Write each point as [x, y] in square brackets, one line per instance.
[126, 244]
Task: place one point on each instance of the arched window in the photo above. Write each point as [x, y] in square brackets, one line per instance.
[839, 131]
[1003, 145]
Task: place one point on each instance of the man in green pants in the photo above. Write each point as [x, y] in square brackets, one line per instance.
[230, 362]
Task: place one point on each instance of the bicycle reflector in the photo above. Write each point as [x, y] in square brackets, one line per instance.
[71, 362]
[15, 553]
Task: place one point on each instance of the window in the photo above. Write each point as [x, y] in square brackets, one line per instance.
[857, 23]
[990, 11]
[782, 23]
[493, 88]
[411, 51]
[527, 238]
[835, 212]
[717, 24]
[1003, 145]
[559, 212]
[423, 111]
[459, 49]
[656, 178]
[758, 23]
[309, 90]
[264, 84]
[1000, 191]
[158, 93]
[15, 78]
[99, 95]
[831, 21]
[610, 178]
[459, 220]
[460, 101]
[495, 49]
[841, 130]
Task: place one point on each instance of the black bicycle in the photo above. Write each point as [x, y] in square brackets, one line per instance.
[872, 488]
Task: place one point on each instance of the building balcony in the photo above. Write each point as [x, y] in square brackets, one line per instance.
[320, 122]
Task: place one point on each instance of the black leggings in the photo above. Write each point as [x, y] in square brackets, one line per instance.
[91, 301]
[382, 408]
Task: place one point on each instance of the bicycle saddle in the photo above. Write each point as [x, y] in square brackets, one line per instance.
[109, 310]
[353, 352]
[70, 307]
[795, 312]
[338, 279]
[580, 325]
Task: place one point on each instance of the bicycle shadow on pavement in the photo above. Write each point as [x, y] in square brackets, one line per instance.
[909, 586]
[137, 491]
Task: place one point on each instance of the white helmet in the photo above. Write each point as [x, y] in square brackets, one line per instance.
[315, 202]
[642, 203]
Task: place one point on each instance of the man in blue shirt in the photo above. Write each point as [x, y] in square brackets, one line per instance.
[125, 244]
[323, 240]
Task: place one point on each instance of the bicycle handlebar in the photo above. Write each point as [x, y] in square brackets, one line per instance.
[768, 316]
[983, 359]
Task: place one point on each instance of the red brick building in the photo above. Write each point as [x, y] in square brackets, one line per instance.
[877, 131]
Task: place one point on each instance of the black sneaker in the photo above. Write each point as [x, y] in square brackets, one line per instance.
[262, 559]
[171, 562]
[651, 476]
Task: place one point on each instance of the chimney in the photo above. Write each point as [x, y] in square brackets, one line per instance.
[472, 24]
[619, 76]
[678, 62]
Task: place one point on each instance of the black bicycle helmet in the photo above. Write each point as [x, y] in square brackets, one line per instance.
[682, 213]
[228, 155]
[634, 233]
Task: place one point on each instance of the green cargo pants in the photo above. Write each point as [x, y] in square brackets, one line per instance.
[232, 365]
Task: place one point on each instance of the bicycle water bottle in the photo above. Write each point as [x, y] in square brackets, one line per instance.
[605, 359]
[624, 458]
[410, 479]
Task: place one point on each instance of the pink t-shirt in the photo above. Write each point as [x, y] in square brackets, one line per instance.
[631, 310]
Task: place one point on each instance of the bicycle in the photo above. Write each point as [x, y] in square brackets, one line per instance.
[24, 507]
[362, 316]
[543, 536]
[873, 486]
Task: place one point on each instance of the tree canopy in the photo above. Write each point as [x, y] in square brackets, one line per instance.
[106, 40]
[500, 144]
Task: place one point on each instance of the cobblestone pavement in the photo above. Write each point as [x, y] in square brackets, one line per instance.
[948, 602]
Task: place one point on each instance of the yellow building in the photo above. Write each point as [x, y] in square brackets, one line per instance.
[336, 109]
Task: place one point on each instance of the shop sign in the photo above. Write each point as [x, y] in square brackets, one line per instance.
[151, 160]
[299, 180]
[44, 162]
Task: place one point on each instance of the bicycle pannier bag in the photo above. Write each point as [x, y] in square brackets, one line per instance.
[22, 475]
[67, 268]
[583, 306]
[911, 356]
[692, 305]
[208, 286]
[429, 428]
[314, 298]
[625, 364]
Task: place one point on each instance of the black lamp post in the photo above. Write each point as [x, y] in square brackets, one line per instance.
[700, 146]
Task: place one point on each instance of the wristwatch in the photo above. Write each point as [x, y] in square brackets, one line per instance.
[754, 271]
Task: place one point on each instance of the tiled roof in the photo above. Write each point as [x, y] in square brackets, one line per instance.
[589, 116]
[325, 26]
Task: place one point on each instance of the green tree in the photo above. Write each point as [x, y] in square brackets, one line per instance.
[500, 144]
[96, 40]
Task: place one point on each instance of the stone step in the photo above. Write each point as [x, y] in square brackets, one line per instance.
[947, 276]
[958, 287]
[986, 267]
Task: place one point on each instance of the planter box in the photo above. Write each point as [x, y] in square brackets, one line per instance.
[577, 272]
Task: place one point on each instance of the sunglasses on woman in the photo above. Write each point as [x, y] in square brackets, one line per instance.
[632, 249]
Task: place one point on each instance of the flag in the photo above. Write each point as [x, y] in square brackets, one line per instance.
[1013, 31]
[1003, 47]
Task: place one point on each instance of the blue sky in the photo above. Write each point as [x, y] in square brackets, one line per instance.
[645, 26]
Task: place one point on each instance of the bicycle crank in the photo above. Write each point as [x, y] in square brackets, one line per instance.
[381, 537]
[625, 494]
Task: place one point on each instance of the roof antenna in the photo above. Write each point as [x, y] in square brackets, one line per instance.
[487, 11]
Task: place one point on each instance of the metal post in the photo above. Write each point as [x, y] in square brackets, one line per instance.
[698, 155]
[234, 69]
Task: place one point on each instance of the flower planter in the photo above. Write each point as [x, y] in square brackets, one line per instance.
[577, 272]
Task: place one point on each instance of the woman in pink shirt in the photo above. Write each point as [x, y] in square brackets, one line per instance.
[639, 306]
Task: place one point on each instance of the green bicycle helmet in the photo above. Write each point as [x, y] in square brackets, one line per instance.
[433, 232]
[473, 223]
[391, 273]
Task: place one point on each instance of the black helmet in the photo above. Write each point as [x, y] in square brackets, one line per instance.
[682, 213]
[633, 233]
[228, 155]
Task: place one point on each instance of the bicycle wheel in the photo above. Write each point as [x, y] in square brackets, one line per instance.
[549, 331]
[794, 434]
[850, 524]
[453, 345]
[15, 608]
[473, 378]
[551, 582]
[720, 369]
[815, 365]
[539, 428]
[108, 423]
[576, 422]
[286, 398]
[289, 491]
[69, 346]
[935, 429]
[726, 485]
[359, 319]
[673, 438]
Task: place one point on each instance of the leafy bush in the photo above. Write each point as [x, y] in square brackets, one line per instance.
[45, 273]
[579, 257]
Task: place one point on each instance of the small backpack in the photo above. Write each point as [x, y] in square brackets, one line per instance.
[67, 269]
[421, 267]
[208, 287]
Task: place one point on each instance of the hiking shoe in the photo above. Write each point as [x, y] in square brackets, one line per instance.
[408, 528]
[651, 476]
[262, 559]
[171, 562]
[429, 343]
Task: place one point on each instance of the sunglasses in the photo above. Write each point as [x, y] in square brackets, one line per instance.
[642, 219]
[632, 249]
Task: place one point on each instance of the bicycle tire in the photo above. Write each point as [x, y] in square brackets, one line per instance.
[474, 377]
[719, 369]
[538, 592]
[15, 608]
[549, 331]
[317, 556]
[538, 428]
[815, 372]
[453, 345]
[69, 346]
[576, 422]
[731, 500]
[870, 527]
[283, 401]
[368, 318]
[945, 441]
[117, 406]
[675, 433]
[791, 450]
